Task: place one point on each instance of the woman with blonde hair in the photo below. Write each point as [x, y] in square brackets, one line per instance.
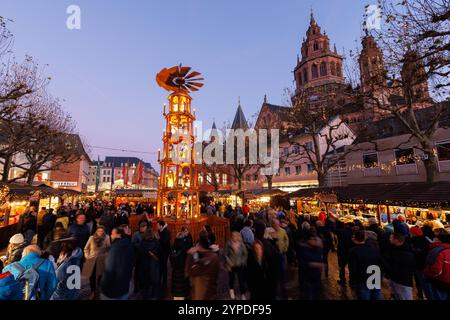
[95, 254]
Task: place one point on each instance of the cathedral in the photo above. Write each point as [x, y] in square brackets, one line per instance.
[319, 80]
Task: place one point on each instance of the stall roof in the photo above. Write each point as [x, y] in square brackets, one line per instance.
[407, 193]
[24, 191]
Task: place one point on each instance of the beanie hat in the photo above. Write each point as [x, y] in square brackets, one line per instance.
[372, 221]
[416, 231]
[17, 239]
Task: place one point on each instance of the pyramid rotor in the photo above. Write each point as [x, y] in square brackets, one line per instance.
[179, 78]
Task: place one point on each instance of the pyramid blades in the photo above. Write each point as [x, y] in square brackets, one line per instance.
[193, 74]
[178, 78]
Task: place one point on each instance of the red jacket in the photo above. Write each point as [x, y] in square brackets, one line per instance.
[439, 270]
[322, 216]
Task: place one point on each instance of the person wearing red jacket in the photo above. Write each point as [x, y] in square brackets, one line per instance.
[437, 268]
[322, 216]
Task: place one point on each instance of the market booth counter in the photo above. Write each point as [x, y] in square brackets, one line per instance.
[418, 201]
[15, 198]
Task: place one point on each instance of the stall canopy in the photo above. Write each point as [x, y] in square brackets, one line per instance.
[19, 191]
[410, 194]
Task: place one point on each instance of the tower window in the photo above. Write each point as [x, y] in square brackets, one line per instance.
[316, 46]
[333, 68]
[339, 70]
[323, 69]
[314, 71]
[305, 75]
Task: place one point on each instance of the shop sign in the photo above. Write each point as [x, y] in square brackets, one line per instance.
[327, 198]
[65, 183]
[149, 195]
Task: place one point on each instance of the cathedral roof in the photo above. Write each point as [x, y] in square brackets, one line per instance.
[239, 121]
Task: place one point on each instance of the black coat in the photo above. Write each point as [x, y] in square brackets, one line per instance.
[147, 264]
[400, 264]
[81, 233]
[118, 268]
[180, 283]
[164, 241]
[360, 257]
[345, 243]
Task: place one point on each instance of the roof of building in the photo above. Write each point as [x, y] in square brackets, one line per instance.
[392, 126]
[239, 121]
[119, 161]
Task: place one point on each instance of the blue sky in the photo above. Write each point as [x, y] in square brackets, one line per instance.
[105, 72]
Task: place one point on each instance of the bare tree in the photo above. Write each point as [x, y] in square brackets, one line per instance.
[415, 44]
[323, 137]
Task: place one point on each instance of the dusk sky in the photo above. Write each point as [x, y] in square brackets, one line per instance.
[105, 72]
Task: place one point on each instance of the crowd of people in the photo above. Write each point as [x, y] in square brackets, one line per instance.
[264, 247]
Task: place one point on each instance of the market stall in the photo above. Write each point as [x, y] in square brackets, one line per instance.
[417, 201]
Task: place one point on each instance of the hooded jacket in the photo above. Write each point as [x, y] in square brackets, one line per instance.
[62, 292]
[438, 269]
[400, 264]
[10, 288]
[118, 268]
[47, 276]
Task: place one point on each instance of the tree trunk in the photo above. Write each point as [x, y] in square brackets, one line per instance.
[321, 178]
[430, 166]
[269, 182]
[30, 177]
[6, 168]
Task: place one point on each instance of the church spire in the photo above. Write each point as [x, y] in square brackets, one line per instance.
[312, 21]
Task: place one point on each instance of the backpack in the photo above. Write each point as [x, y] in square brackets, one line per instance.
[29, 280]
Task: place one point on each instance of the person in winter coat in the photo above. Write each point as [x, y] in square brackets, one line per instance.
[107, 220]
[420, 246]
[138, 236]
[272, 258]
[79, 230]
[120, 218]
[322, 215]
[361, 256]
[400, 225]
[15, 248]
[235, 263]
[9, 287]
[327, 241]
[180, 283]
[69, 256]
[258, 273]
[28, 224]
[95, 253]
[247, 234]
[115, 282]
[202, 267]
[344, 235]
[51, 243]
[47, 225]
[310, 260]
[147, 266]
[31, 256]
[164, 241]
[399, 262]
[437, 268]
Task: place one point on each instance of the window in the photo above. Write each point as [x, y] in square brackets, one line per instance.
[298, 170]
[339, 70]
[309, 146]
[285, 151]
[247, 177]
[296, 149]
[287, 171]
[104, 179]
[108, 179]
[104, 172]
[404, 156]
[333, 68]
[370, 160]
[443, 151]
[316, 46]
[310, 167]
[314, 71]
[323, 69]
[305, 75]
[255, 177]
[224, 179]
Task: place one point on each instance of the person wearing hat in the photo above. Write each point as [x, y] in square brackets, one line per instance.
[15, 248]
[420, 246]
